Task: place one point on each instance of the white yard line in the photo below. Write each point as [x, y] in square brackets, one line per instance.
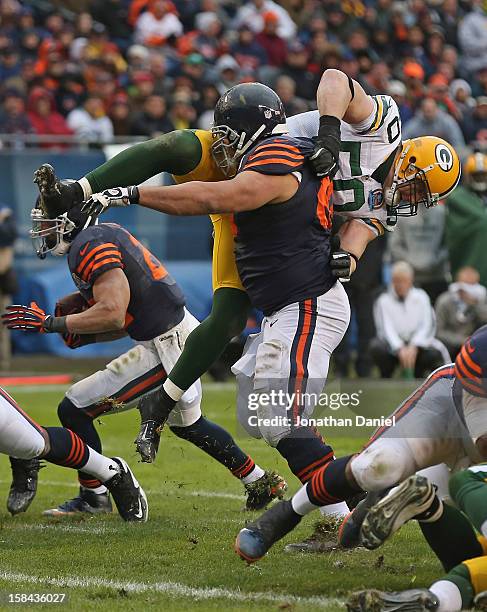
[172, 589]
[210, 386]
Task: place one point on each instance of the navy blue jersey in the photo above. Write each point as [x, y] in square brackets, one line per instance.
[471, 364]
[156, 302]
[283, 250]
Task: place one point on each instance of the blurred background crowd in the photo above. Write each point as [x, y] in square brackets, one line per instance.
[105, 71]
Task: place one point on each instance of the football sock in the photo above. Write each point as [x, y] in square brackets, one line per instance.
[219, 444]
[451, 537]
[327, 486]
[469, 491]
[449, 594]
[81, 423]
[69, 450]
[339, 510]
[207, 342]
[305, 452]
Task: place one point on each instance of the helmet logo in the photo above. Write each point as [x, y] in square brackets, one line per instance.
[444, 157]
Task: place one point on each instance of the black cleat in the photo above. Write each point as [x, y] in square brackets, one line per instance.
[87, 502]
[412, 497]
[153, 418]
[262, 491]
[128, 495]
[413, 600]
[349, 533]
[257, 537]
[480, 601]
[55, 196]
[24, 484]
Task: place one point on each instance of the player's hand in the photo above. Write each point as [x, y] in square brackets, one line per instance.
[98, 203]
[327, 147]
[27, 318]
[342, 263]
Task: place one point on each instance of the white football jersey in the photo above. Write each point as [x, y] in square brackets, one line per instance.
[365, 159]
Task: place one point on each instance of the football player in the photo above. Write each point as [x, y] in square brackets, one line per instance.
[26, 441]
[443, 422]
[370, 166]
[451, 535]
[282, 215]
[124, 289]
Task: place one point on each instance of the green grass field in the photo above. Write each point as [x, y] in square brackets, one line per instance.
[183, 557]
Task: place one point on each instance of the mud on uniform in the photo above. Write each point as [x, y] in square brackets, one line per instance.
[282, 254]
[156, 318]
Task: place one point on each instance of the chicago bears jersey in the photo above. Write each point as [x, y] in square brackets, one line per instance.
[156, 302]
[366, 156]
[283, 250]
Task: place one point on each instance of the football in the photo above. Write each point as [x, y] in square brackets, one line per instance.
[70, 304]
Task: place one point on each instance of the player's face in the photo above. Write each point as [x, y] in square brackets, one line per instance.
[224, 149]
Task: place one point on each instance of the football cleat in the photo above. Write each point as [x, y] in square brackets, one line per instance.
[480, 601]
[410, 498]
[322, 540]
[413, 600]
[257, 537]
[87, 502]
[24, 484]
[55, 196]
[262, 491]
[349, 532]
[128, 495]
[152, 422]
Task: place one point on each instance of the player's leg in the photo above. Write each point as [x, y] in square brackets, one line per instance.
[187, 422]
[202, 347]
[107, 391]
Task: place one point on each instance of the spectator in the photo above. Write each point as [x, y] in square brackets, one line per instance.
[466, 222]
[8, 281]
[156, 25]
[247, 51]
[431, 120]
[421, 240]
[13, 119]
[274, 46]
[461, 309]
[43, 115]
[475, 122]
[10, 65]
[252, 14]
[472, 35]
[296, 67]
[90, 121]
[182, 114]
[153, 119]
[120, 115]
[228, 70]
[286, 90]
[405, 325]
[461, 94]
[398, 91]
[113, 14]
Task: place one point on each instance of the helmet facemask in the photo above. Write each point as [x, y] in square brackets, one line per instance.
[54, 235]
[409, 189]
[478, 181]
[228, 147]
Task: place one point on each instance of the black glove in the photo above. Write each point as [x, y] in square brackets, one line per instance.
[341, 261]
[98, 203]
[327, 147]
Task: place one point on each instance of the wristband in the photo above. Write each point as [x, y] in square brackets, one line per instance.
[55, 325]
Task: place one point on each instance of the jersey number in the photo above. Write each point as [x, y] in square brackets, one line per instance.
[353, 148]
[157, 270]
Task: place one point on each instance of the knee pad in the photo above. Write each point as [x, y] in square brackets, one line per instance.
[70, 415]
[382, 465]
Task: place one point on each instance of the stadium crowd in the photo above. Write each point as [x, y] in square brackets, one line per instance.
[98, 68]
[95, 69]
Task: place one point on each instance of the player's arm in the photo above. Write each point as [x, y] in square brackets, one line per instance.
[349, 246]
[111, 293]
[338, 97]
[247, 191]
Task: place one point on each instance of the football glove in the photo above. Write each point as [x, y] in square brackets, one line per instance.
[98, 203]
[341, 261]
[327, 147]
[33, 319]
